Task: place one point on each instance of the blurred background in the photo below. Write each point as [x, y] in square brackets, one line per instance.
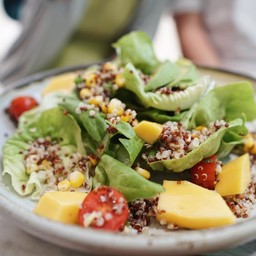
[45, 34]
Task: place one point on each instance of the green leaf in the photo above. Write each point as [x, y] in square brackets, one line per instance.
[224, 102]
[206, 149]
[232, 137]
[124, 128]
[131, 184]
[237, 98]
[187, 76]
[160, 116]
[133, 147]
[53, 123]
[59, 125]
[165, 74]
[100, 177]
[133, 144]
[94, 125]
[136, 48]
[178, 100]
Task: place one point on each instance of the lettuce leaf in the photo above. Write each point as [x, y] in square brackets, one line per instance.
[131, 184]
[53, 123]
[224, 102]
[136, 48]
[94, 125]
[187, 76]
[178, 100]
[206, 149]
[160, 116]
[130, 147]
[237, 98]
[233, 136]
[165, 74]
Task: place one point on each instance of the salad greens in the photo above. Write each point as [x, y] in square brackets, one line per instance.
[53, 123]
[131, 184]
[171, 102]
[204, 150]
[144, 89]
[137, 48]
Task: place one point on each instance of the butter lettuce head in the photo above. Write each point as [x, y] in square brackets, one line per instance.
[53, 123]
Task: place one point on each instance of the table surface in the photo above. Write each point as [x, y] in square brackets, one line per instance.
[15, 242]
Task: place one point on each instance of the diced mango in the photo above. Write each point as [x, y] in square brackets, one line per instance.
[234, 177]
[148, 131]
[191, 206]
[60, 206]
[61, 83]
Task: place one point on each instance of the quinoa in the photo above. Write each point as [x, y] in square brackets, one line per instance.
[141, 212]
[175, 141]
[46, 158]
[168, 90]
[96, 89]
[242, 204]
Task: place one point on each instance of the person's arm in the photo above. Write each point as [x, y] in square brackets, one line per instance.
[194, 39]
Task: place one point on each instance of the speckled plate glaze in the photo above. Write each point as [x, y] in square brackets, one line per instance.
[155, 242]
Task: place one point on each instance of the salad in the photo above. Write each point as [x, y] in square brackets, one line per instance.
[133, 141]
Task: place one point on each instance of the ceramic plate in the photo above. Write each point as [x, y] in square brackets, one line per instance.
[155, 242]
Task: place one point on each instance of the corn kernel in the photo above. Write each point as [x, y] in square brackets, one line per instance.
[32, 168]
[108, 66]
[93, 160]
[104, 108]
[76, 179]
[64, 185]
[97, 100]
[46, 164]
[144, 173]
[200, 128]
[91, 79]
[125, 118]
[85, 93]
[115, 106]
[119, 80]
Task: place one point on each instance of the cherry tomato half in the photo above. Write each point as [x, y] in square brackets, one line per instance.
[104, 208]
[19, 105]
[204, 173]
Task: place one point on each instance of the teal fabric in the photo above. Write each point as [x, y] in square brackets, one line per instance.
[13, 7]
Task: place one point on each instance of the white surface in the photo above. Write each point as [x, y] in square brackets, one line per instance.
[166, 42]
[10, 30]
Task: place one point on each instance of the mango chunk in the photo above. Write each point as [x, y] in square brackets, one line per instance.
[235, 176]
[148, 131]
[191, 206]
[60, 206]
[60, 83]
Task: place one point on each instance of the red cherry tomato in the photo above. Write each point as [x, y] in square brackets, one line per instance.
[104, 208]
[204, 173]
[21, 104]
